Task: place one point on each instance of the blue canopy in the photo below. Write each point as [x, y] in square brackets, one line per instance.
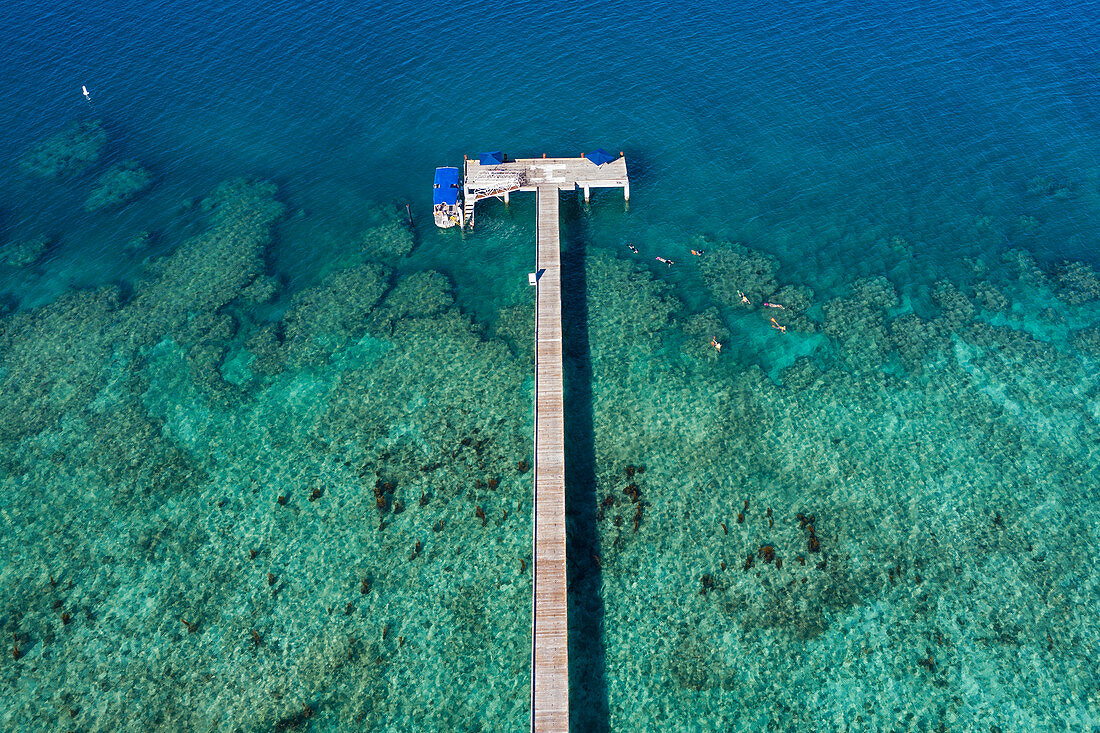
[599, 156]
[494, 158]
[445, 190]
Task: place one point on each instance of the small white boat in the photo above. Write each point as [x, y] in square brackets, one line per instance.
[85, 90]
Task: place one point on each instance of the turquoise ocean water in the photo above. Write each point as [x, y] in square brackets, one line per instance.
[266, 442]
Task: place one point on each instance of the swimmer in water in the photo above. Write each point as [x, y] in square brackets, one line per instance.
[632, 248]
[776, 326]
[717, 346]
[698, 252]
[670, 263]
[774, 305]
[744, 300]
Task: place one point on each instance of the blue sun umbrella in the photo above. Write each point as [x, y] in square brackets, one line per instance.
[599, 156]
[494, 158]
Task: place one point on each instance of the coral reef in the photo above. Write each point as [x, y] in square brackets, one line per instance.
[231, 496]
[1076, 283]
[700, 329]
[858, 323]
[627, 308]
[516, 326]
[418, 295]
[174, 517]
[261, 290]
[1046, 185]
[784, 530]
[117, 185]
[1024, 267]
[796, 301]
[801, 375]
[729, 269]
[55, 359]
[915, 338]
[956, 310]
[1087, 341]
[139, 241]
[990, 298]
[212, 268]
[67, 152]
[329, 315]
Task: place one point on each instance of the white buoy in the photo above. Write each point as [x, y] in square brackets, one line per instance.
[85, 90]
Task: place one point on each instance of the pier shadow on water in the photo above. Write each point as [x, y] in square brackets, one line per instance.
[588, 702]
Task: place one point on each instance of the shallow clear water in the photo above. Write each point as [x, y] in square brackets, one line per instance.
[265, 443]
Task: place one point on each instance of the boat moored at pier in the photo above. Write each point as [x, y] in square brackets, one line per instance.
[446, 205]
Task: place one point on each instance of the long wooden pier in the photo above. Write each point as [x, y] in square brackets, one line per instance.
[549, 618]
[550, 631]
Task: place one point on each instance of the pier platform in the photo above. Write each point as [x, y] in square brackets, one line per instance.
[499, 180]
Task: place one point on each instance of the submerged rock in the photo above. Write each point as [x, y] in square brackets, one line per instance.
[24, 253]
[119, 184]
[389, 240]
[67, 152]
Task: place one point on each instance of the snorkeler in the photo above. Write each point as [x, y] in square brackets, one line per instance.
[744, 300]
[774, 305]
[776, 326]
[670, 263]
[698, 252]
[717, 346]
[632, 248]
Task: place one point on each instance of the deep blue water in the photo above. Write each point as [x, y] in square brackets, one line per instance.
[818, 133]
[805, 123]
